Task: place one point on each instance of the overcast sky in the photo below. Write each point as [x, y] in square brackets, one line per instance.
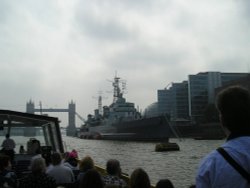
[56, 51]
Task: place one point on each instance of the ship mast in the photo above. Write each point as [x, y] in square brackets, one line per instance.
[100, 98]
[117, 90]
[100, 104]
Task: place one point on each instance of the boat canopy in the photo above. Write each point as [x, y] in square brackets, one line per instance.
[49, 125]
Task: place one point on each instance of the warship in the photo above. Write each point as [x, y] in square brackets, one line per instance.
[122, 121]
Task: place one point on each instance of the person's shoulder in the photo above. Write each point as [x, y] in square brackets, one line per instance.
[66, 168]
[210, 159]
[49, 178]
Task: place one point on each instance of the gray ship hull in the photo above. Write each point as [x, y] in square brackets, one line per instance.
[145, 129]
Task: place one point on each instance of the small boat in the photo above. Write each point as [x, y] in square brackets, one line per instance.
[166, 146]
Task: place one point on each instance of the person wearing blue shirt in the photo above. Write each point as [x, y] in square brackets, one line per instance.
[233, 104]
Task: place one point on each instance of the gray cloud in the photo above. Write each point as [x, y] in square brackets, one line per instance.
[56, 51]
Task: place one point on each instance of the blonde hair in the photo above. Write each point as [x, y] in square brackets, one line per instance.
[38, 165]
[86, 163]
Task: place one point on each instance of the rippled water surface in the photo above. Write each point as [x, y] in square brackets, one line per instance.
[179, 166]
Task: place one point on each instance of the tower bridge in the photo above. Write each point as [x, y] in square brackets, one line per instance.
[71, 110]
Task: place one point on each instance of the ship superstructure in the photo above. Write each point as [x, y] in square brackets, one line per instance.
[122, 121]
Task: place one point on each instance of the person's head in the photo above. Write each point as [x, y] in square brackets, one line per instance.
[66, 155]
[86, 163]
[139, 179]
[233, 104]
[113, 167]
[56, 159]
[7, 135]
[38, 166]
[4, 161]
[72, 161]
[164, 183]
[74, 153]
[92, 179]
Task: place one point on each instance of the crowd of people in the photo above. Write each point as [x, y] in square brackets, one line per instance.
[68, 171]
[228, 166]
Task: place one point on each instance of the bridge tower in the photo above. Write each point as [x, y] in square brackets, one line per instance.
[30, 107]
[71, 129]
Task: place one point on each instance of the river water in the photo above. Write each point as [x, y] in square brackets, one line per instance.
[178, 166]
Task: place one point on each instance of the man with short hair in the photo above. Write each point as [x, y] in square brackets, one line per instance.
[114, 172]
[9, 146]
[216, 170]
[59, 172]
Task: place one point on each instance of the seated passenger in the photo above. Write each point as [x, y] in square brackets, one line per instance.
[65, 156]
[71, 162]
[7, 177]
[22, 150]
[59, 172]
[38, 178]
[74, 153]
[139, 179]
[86, 164]
[164, 183]
[33, 145]
[37, 154]
[92, 179]
[114, 172]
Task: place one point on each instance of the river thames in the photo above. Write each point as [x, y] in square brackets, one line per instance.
[178, 166]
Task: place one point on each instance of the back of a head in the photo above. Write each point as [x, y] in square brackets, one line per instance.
[139, 179]
[56, 159]
[91, 179]
[38, 166]
[164, 183]
[233, 104]
[113, 167]
[86, 163]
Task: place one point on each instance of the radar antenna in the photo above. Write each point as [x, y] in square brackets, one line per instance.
[118, 91]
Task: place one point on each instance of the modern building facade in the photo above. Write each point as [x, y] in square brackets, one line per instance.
[189, 99]
[179, 108]
[164, 101]
[174, 101]
[201, 90]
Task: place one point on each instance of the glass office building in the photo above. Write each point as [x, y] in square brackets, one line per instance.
[174, 101]
[189, 99]
[201, 90]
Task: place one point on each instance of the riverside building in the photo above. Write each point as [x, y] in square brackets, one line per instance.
[189, 99]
